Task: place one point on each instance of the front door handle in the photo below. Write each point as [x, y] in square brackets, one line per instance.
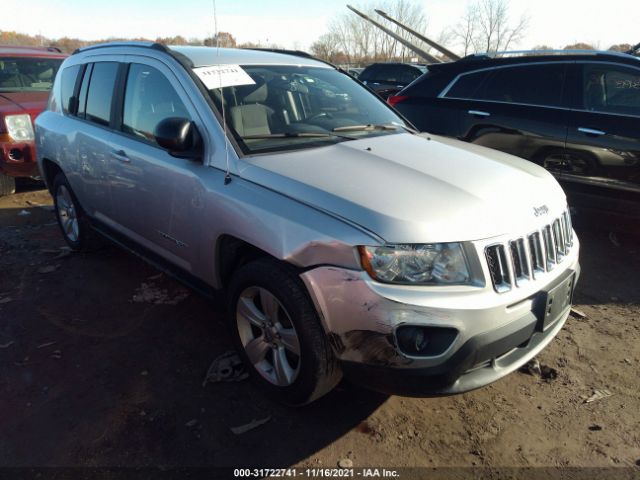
[478, 113]
[591, 131]
[121, 156]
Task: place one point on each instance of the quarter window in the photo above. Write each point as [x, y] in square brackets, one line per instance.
[526, 84]
[149, 99]
[101, 86]
[467, 85]
[611, 89]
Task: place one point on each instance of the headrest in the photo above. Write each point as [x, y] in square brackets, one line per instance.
[256, 93]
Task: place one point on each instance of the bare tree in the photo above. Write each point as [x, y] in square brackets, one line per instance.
[362, 42]
[486, 27]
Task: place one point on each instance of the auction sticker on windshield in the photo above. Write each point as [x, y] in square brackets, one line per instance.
[218, 76]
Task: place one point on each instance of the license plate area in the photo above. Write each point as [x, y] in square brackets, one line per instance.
[551, 304]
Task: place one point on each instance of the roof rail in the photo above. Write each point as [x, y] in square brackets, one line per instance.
[297, 53]
[132, 43]
[525, 53]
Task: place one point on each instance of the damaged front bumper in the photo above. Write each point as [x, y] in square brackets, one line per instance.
[496, 333]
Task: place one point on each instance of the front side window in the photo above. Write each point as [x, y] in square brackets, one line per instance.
[149, 99]
[291, 107]
[100, 92]
[525, 84]
[27, 74]
[611, 89]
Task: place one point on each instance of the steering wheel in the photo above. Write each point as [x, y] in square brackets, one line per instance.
[320, 115]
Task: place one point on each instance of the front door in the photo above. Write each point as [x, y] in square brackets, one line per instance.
[149, 185]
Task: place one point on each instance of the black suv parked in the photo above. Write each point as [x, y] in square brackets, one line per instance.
[388, 78]
[577, 114]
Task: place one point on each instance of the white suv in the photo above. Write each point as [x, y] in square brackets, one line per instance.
[347, 243]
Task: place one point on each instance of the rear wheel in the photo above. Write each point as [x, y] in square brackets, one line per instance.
[277, 331]
[72, 220]
[7, 185]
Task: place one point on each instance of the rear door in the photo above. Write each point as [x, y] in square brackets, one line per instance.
[518, 109]
[603, 145]
[154, 193]
[94, 137]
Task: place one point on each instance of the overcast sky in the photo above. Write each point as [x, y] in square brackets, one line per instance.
[297, 24]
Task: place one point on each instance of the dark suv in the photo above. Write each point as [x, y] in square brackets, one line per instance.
[388, 78]
[575, 113]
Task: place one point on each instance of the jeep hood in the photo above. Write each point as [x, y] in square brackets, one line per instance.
[414, 188]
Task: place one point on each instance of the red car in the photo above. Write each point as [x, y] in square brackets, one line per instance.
[26, 77]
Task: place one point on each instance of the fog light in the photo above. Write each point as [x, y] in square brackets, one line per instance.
[419, 341]
[412, 340]
[15, 154]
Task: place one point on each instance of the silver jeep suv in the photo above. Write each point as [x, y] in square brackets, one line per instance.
[346, 242]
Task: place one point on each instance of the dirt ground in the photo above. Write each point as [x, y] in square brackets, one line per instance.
[93, 373]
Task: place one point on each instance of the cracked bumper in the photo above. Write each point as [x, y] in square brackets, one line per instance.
[497, 333]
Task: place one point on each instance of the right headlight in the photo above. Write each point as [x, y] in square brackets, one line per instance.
[416, 264]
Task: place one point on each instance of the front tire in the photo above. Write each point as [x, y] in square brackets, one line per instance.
[278, 333]
[72, 220]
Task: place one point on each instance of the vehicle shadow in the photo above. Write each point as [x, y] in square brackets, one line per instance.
[103, 361]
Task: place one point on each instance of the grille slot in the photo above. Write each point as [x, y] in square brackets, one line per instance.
[513, 263]
[497, 259]
[521, 268]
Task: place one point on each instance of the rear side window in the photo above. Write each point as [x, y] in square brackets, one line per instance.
[68, 84]
[611, 89]
[528, 84]
[467, 85]
[101, 86]
[149, 99]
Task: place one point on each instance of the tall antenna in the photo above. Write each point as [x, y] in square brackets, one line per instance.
[227, 174]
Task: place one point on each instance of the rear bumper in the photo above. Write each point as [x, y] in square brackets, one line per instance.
[18, 159]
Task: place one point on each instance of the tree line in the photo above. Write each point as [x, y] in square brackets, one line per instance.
[68, 45]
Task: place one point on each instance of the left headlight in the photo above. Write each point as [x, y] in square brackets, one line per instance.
[19, 127]
[422, 264]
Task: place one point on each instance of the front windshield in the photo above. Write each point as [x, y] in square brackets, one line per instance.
[292, 107]
[27, 74]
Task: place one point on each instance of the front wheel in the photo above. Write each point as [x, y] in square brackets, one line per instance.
[277, 331]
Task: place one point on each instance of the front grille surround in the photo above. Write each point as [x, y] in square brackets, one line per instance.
[515, 262]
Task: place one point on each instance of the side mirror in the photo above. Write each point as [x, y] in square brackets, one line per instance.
[179, 136]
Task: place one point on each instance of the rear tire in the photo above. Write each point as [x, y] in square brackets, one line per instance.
[277, 331]
[73, 221]
[7, 185]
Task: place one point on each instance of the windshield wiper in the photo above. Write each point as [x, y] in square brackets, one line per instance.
[295, 135]
[371, 127]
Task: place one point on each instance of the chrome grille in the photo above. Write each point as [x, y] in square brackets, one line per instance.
[517, 261]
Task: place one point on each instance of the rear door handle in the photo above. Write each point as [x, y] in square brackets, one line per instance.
[478, 113]
[591, 131]
[121, 156]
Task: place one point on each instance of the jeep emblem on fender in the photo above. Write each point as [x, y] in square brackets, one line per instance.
[542, 210]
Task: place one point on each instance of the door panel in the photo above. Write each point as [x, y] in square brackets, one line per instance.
[149, 186]
[531, 132]
[94, 137]
[518, 109]
[603, 143]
